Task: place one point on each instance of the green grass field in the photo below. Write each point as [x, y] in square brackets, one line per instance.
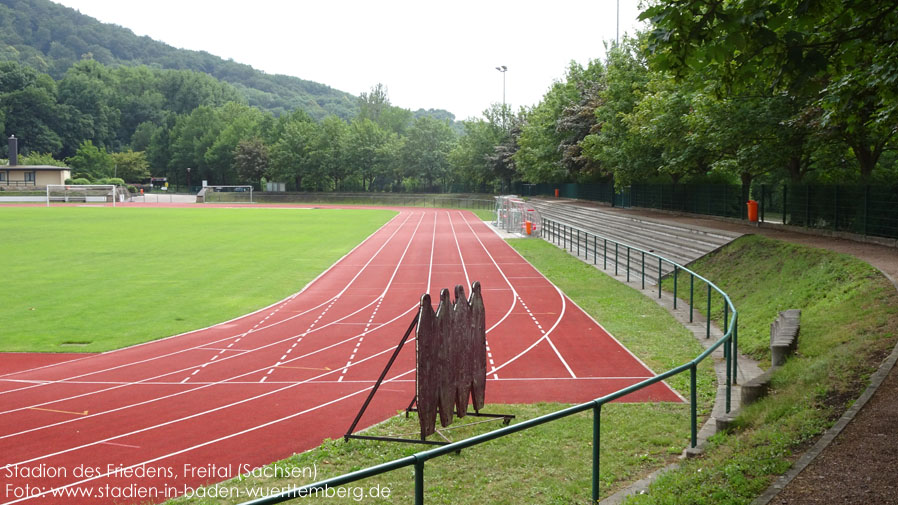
[94, 279]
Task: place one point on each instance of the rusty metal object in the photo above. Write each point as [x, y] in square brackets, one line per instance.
[451, 356]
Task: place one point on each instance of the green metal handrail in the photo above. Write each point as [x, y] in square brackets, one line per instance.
[560, 233]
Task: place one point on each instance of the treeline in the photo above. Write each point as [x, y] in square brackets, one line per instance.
[133, 122]
[735, 92]
[50, 38]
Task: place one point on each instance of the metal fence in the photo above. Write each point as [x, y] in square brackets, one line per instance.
[570, 238]
[380, 199]
[861, 209]
[864, 210]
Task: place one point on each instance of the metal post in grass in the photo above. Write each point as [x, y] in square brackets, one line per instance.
[708, 315]
[735, 352]
[595, 253]
[726, 315]
[578, 242]
[729, 360]
[693, 404]
[691, 293]
[596, 439]
[643, 269]
[586, 244]
[659, 277]
[676, 270]
[615, 258]
[419, 482]
[605, 256]
[628, 264]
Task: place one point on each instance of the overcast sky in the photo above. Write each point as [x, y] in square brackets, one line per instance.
[440, 55]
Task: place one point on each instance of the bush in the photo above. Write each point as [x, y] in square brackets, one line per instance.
[118, 181]
[80, 180]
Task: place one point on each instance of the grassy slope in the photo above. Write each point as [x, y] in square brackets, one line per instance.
[116, 277]
[849, 322]
[549, 464]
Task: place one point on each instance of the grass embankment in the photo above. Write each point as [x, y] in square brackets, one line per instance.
[849, 323]
[551, 463]
[94, 279]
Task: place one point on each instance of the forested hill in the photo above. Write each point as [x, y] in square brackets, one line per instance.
[50, 38]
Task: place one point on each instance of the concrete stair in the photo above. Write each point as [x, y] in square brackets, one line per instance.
[679, 243]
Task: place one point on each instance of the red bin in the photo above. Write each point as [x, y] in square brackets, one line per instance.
[753, 211]
[556, 192]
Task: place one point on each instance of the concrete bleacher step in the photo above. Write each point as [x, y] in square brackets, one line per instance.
[680, 243]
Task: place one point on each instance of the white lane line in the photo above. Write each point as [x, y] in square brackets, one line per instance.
[219, 382]
[384, 293]
[489, 353]
[516, 299]
[210, 442]
[209, 411]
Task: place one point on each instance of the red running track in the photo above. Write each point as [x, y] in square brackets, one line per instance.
[278, 381]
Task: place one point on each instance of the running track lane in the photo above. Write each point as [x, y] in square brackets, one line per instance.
[261, 387]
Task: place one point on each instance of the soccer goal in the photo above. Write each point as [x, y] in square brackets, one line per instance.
[228, 194]
[81, 193]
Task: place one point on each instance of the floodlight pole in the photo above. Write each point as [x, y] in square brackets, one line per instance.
[503, 69]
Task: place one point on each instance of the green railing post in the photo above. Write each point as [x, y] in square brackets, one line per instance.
[596, 439]
[735, 352]
[708, 315]
[419, 482]
[595, 252]
[586, 244]
[628, 264]
[605, 255]
[578, 243]
[676, 270]
[615, 258]
[693, 404]
[729, 360]
[659, 277]
[691, 294]
[643, 269]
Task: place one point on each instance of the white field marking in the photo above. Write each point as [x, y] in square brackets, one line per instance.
[210, 442]
[549, 340]
[301, 336]
[362, 381]
[386, 289]
[489, 353]
[460, 255]
[514, 293]
[517, 297]
[223, 381]
[200, 366]
[213, 410]
[294, 295]
[239, 336]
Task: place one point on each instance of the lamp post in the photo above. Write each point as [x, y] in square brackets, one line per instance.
[503, 69]
[188, 179]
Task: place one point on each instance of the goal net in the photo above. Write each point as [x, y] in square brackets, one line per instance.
[228, 194]
[81, 193]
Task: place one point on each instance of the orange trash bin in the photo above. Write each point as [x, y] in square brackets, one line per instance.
[556, 192]
[753, 211]
[529, 227]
